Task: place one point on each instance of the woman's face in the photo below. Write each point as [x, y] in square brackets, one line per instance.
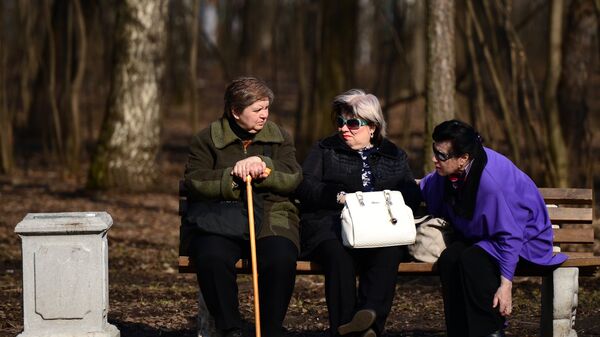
[254, 116]
[356, 138]
[452, 164]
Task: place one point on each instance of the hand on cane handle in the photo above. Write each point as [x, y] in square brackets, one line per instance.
[250, 167]
[263, 175]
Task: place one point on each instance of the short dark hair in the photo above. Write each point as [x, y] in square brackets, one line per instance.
[244, 91]
[462, 136]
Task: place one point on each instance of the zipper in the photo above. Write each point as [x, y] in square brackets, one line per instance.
[245, 144]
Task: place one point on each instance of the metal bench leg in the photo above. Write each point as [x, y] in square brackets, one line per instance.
[206, 324]
[559, 303]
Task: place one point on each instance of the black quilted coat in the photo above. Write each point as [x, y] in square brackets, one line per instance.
[331, 167]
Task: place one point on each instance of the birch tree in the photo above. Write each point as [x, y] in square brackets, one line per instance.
[129, 139]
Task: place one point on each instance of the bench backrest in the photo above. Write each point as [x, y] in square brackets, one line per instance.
[571, 214]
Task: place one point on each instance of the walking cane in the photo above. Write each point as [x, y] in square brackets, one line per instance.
[253, 253]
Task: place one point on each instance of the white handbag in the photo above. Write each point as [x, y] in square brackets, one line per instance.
[377, 219]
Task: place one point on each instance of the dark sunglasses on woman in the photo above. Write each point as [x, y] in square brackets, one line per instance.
[352, 123]
[441, 156]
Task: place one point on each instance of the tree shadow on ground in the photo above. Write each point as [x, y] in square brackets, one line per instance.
[131, 329]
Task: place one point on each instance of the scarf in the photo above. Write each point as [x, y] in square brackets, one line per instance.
[461, 190]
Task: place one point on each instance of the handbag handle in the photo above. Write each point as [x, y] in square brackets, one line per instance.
[388, 203]
[360, 198]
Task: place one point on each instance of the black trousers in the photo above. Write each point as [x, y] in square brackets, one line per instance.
[215, 258]
[376, 269]
[470, 278]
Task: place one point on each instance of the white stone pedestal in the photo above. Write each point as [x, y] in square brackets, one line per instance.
[65, 275]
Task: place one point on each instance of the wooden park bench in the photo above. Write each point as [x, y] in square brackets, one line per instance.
[571, 214]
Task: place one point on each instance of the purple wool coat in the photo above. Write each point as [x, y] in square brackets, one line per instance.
[510, 219]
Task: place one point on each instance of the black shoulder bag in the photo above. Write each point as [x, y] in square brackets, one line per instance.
[228, 218]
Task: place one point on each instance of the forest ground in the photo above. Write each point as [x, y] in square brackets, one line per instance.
[148, 297]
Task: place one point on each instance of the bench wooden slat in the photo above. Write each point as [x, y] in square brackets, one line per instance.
[574, 235]
[587, 264]
[561, 215]
[578, 254]
[573, 196]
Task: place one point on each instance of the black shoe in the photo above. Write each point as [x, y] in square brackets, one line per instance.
[499, 333]
[235, 332]
[362, 320]
[369, 333]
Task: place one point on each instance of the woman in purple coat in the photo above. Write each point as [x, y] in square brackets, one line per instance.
[500, 220]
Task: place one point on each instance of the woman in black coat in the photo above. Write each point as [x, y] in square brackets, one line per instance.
[357, 158]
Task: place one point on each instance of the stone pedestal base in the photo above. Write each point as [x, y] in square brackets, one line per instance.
[109, 331]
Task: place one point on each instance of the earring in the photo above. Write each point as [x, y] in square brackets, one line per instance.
[371, 134]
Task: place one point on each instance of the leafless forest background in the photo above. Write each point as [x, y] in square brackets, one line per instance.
[526, 74]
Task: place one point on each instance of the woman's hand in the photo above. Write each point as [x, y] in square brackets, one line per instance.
[253, 166]
[503, 297]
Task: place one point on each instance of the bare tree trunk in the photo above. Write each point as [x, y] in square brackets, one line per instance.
[580, 50]
[556, 141]
[256, 38]
[51, 84]
[194, 97]
[272, 50]
[441, 76]
[336, 59]
[129, 139]
[74, 135]
[305, 76]
[6, 120]
[497, 83]
[31, 45]
[419, 50]
[478, 106]
[229, 39]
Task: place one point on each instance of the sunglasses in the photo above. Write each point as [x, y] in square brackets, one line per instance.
[352, 123]
[441, 156]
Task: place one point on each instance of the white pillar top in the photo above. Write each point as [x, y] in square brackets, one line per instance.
[64, 223]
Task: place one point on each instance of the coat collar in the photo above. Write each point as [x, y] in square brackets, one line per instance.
[464, 199]
[385, 148]
[222, 135]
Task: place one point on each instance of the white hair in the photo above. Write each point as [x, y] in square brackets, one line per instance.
[362, 105]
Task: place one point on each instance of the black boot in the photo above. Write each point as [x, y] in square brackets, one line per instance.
[362, 320]
[235, 332]
[499, 333]
[369, 333]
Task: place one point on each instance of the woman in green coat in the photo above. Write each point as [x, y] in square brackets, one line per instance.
[243, 142]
